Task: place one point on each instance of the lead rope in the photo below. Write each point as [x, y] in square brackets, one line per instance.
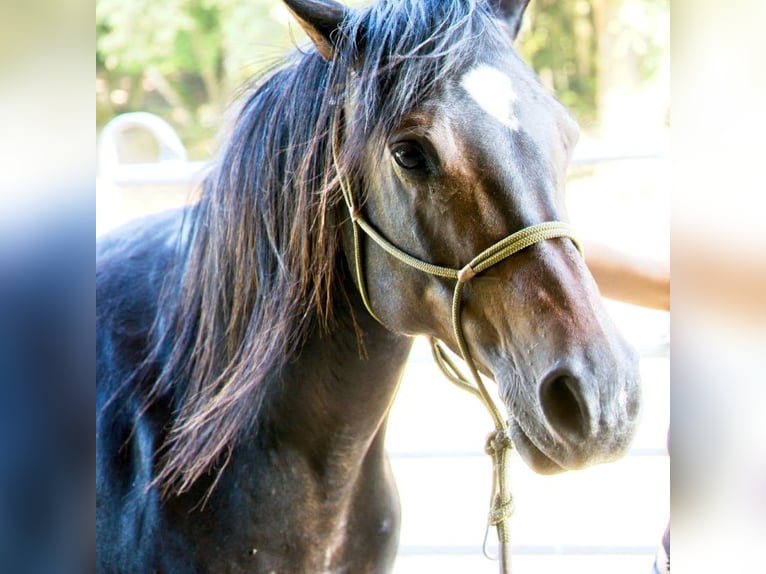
[499, 442]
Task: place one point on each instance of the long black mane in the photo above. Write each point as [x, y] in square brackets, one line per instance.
[259, 267]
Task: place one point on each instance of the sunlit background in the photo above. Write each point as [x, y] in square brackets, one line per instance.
[606, 59]
[184, 60]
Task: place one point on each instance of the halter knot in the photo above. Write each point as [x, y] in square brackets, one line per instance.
[497, 441]
[501, 510]
[466, 274]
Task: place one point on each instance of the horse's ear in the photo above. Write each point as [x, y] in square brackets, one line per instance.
[511, 12]
[320, 19]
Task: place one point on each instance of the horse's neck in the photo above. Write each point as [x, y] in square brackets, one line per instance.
[336, 396]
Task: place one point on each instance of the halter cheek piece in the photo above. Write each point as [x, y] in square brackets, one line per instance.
[499, 442]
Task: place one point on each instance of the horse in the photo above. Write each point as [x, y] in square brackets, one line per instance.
[250, 346]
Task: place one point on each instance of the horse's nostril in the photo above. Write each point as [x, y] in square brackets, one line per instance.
[564, 406]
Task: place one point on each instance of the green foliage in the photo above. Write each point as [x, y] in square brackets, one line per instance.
[567, 42]
[184, 59]
[139, 33]
[560, 43]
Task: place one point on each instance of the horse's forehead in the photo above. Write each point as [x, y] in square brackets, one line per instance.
[508, 92]
[493, 91]
[508, 95]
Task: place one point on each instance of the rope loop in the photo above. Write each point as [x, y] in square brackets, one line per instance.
[501, 510]
[498, 441]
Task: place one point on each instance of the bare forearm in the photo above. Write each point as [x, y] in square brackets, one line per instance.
[628, 278]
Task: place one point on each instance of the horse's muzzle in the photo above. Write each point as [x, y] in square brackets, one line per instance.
[583, 416]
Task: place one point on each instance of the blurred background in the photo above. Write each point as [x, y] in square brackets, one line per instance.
[609, 62]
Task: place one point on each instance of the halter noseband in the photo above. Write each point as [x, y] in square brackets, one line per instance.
[499, 442]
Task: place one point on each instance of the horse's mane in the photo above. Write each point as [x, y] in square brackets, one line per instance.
[259, 268]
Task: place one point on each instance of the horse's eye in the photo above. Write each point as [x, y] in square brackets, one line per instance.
[409, 155]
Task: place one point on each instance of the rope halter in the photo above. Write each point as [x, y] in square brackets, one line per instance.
[499, 443]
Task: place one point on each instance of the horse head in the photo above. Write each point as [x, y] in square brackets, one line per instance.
[450, 143]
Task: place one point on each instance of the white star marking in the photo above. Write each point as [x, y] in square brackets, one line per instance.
[493, 91]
